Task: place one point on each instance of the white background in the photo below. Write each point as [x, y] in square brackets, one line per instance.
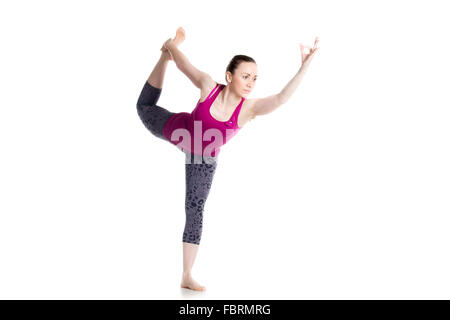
[342, 193]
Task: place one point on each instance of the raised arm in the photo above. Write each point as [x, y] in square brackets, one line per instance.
[269, 104]
[198, 78]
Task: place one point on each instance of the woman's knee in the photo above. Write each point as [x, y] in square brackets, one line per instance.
[153, 119]
[149, 95]
[192, 232]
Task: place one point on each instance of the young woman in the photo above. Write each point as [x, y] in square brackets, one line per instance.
[221, 112]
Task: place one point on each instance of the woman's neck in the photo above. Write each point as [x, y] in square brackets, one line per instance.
[228, 99]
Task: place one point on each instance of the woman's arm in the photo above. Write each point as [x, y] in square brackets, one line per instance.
[292, 85]
[197, 77]
[269, 104]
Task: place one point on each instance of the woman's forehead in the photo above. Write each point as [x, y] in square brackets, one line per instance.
[249, 68]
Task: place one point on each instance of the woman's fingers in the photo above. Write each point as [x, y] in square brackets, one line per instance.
[308, 51]
[316, 42]
[302, 47]
[313, 48]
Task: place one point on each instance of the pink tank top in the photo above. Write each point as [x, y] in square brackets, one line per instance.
[198, 132]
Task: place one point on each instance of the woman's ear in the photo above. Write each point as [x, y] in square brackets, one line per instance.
[228, 76]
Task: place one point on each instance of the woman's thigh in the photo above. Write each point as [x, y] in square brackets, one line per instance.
[154, 118]
[198, 159]
[199, 176]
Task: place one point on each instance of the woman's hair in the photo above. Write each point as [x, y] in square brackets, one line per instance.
[234, 63]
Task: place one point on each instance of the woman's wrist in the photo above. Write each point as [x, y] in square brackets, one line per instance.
[170, 44]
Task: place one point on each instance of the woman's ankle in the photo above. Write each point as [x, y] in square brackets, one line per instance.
[187, 274]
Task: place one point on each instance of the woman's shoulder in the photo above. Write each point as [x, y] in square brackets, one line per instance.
[208, 87]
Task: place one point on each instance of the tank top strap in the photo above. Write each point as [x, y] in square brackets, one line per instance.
[238, 109]
[221, 86]
[213, 91]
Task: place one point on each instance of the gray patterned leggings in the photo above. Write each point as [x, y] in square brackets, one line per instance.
[199, 171]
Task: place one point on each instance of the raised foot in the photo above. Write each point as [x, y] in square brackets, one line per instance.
[180, 36]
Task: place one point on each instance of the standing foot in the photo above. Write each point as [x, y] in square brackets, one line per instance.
[189, 283]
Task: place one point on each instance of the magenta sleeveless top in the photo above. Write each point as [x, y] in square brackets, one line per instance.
[198, 132]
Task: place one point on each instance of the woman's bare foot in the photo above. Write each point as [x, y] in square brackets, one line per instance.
[179, 38]
[189, 283]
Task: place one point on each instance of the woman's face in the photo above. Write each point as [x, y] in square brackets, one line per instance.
[244, 79]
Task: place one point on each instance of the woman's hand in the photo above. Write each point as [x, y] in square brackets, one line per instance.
[168, 44]
[165, 49]
[307, 57]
